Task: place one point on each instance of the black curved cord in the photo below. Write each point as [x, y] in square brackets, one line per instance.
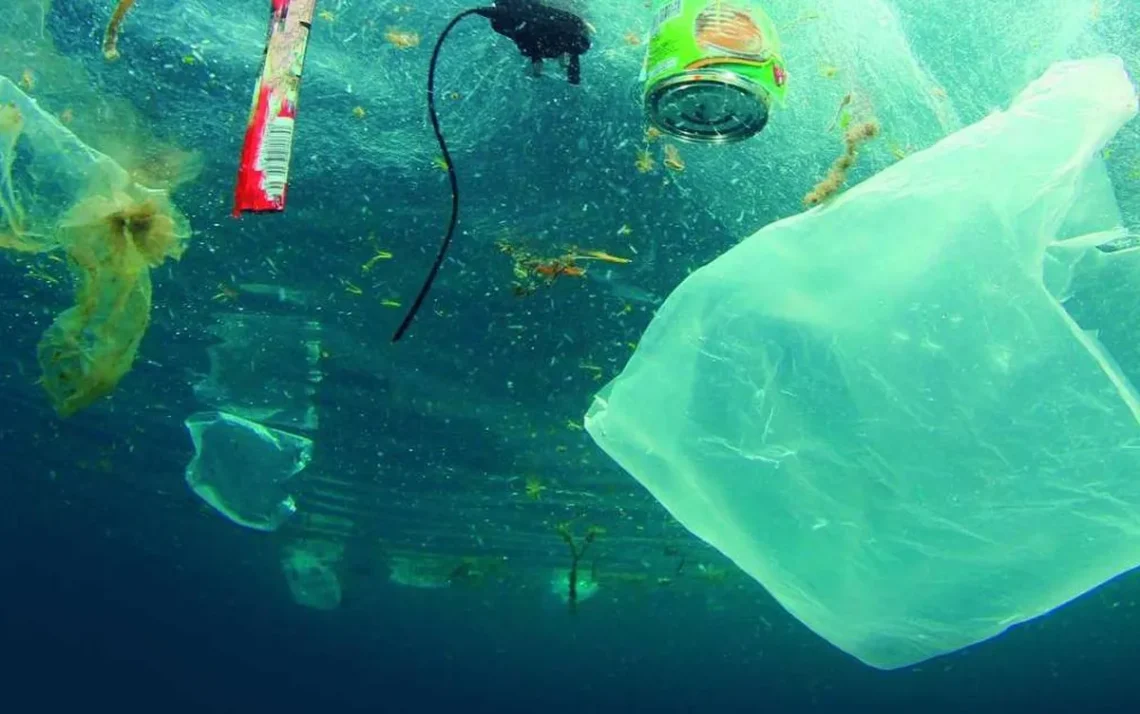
[426, 287]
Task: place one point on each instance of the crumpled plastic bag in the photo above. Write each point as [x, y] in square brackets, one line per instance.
[310, 570]
[882, 410]
[242, 468]
[58, 195]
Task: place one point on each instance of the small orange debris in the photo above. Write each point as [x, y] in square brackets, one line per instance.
[673, 160]
[114, 27]
[402, 39]
[857, 135]
[556, 268]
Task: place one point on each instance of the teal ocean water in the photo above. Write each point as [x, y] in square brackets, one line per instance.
[449, 486]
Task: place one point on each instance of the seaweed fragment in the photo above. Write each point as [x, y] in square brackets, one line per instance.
[114, 27]
[577, 551]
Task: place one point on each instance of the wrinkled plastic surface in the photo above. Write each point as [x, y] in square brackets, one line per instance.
[881, 409]
[59, 195]
[242, 468]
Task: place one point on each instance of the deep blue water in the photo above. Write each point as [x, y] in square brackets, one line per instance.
[95, 625]
[102, 607]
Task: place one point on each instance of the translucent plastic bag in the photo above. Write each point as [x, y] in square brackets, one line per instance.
[881, 409]
[241, 468]
[59, 195]
[310, 570]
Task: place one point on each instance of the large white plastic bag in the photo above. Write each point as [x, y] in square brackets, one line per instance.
[880, 409]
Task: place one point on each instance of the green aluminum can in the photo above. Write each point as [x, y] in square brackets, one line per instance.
[712, 70]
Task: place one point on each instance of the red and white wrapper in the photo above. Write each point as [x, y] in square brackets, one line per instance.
[263, 175]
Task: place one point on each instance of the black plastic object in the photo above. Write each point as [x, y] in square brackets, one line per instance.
[540, 32]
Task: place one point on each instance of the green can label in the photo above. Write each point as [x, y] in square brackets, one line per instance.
[708, 35]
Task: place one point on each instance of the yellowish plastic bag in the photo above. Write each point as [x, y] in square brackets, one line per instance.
[59, 195]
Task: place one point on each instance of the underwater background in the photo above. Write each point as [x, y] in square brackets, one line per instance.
[449, 471]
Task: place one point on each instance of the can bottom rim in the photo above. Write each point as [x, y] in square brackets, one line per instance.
[711, 107]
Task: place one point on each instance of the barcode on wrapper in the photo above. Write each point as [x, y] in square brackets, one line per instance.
[669, 11]
[276, 150]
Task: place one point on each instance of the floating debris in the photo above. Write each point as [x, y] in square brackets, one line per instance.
[114, 27]
[837, 176]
